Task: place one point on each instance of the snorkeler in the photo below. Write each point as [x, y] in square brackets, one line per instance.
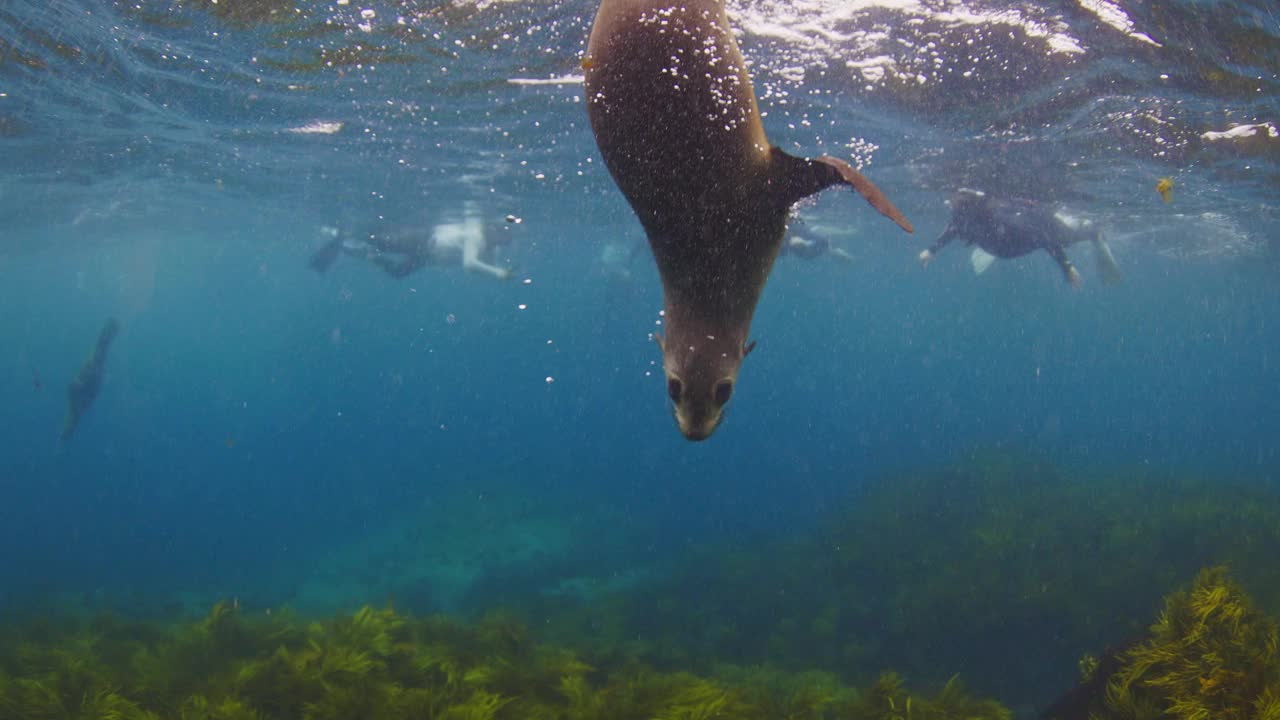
[402, 251]
[807, 249]
[84, 389]
[1015, 227]
[616, 259]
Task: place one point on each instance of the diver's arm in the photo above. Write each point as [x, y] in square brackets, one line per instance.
[947, 236]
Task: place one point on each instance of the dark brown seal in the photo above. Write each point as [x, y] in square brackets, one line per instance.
[84, 389]
[676, 120]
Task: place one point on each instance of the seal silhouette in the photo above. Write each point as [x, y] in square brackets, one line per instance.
[84, 389]
[676, 121]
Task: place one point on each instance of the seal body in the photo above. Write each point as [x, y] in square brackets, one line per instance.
[83, 390]
[677, 123]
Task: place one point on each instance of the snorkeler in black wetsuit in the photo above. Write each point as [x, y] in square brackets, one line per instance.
[399, 252]
[1010, 228]
[807, 249]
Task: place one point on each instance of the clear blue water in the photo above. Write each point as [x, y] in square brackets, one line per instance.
[257, 418]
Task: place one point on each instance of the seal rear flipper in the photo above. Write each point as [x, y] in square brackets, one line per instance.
[805, 177]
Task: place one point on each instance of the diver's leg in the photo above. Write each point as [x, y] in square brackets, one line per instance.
[1107, 267]
[397, 268]
[1068, 270]
[322, 259]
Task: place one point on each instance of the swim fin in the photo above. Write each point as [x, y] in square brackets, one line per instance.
[323, 259]
[1107, 267]
[981, 260]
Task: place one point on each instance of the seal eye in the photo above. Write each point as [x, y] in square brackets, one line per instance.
[674, 388]
[724, 391]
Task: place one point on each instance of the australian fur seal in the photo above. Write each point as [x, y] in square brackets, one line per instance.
[84, 389]
[1013, 227]
[676, 120]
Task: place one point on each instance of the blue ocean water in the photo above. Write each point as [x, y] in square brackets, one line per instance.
[261, 427]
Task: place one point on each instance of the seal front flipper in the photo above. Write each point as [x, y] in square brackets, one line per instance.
[805, 177]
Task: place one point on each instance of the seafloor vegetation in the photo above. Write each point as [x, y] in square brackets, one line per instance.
[1003, 569]
[1008, 568]
[1211, 656]
[378, 664]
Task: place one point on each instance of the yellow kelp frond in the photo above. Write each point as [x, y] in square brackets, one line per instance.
[884, 699]
[956, 703]
[642, 695]
[107, 705]
[584, 703]
[1210, 656]
[480, 706]
[378, 665]
[382, 633]
[780, 695]
[701, 700]
[1267, 706]
[416, 703]
[888, 699]
[31, 700]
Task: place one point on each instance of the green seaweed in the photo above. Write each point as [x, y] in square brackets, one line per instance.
[1212, 655]
[998, 557]
[377, 664]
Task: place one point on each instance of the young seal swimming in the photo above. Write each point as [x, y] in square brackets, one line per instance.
[1013, 227]
[676, 120]
[84, 389]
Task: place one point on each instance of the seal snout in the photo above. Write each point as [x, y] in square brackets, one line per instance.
[697, 432]
[698, 413]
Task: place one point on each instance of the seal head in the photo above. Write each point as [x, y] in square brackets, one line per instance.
[701, 371]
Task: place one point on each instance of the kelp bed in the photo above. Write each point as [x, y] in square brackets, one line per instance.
[379, 664]
[1211, 656]
[1004, 567]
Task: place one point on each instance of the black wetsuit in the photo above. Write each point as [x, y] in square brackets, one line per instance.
[399, 252]
[1010, 228]
[413, 246]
